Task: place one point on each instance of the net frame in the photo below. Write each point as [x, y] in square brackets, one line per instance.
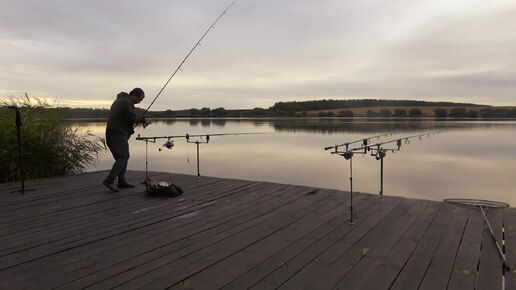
[477, 202]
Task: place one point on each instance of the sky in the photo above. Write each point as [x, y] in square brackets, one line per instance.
[82, 53]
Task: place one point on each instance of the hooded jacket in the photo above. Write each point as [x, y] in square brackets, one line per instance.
[122, 116]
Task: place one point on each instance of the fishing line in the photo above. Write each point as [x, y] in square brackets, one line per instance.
[365, 141]
[200, 139]
[189, 53]
[377, 150]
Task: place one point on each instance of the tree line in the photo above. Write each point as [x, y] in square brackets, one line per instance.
[438, 113]
[329, 104]
[321, 108]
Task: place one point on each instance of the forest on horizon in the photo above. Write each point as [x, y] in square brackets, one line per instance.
[323, 108]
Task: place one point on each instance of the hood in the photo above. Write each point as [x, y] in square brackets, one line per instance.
[122, 95]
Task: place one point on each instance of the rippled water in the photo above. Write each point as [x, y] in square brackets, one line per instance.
[467, 159]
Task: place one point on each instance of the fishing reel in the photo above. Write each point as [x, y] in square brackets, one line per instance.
[169, 144]
[380, 154]
[347, 155]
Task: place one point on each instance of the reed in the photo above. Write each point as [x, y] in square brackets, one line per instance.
[50, 147]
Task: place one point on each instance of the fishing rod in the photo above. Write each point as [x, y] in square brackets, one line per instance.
[365, 142]
[348, 155]
[398, 141]
[198, 43]
[379, 151]
[376, 150]
[169, 144]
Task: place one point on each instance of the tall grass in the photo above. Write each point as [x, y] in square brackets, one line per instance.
[50, 147]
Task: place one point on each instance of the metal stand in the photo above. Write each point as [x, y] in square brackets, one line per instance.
[348, 155]
[147, 180]
[380, 154]
[20, 158]
[381, 178]
[500, 251]
[198, 174]
[351, 190]
[376, 150]
[146, 160]
[169, 144]
[197, 142]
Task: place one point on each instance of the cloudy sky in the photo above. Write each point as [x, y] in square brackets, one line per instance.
[83, 52]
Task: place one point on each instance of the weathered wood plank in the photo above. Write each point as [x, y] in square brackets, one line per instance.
[465, 269]
[165, 233]
[192, 241]
[509, 216]
[224, 272]
[378, 243]
[267, 225]
[153, 228]
[364, 206]
[385, 274]
[236, 234]
[184, 242]
[88, 233]
[326, 270]
[363, 222]
[441, 266]
[413, 272]
[217, 275]
[71, 218]
[490, 268]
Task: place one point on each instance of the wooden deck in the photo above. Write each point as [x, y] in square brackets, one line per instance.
[71, 233]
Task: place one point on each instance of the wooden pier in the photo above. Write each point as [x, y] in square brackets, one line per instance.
[72, 233]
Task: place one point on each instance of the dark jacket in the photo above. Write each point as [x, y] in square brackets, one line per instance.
[122, 116]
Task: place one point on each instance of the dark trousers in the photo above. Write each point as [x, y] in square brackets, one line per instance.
[118, 144]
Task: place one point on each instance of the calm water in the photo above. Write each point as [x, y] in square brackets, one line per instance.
[467, 159]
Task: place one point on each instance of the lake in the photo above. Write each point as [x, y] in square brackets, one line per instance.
[466, 159]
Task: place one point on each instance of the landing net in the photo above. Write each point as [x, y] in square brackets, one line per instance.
[477, 202]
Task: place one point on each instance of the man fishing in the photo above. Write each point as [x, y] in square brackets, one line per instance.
[120, 126]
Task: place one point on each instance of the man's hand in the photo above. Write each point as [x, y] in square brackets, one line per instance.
[146, 122]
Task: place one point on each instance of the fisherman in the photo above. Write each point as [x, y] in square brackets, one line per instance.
[119, 128]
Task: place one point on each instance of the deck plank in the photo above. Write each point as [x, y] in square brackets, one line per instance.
[189, 243]
[324, 271]
[128, 237]
[284, 260]
[166, 232]
[490, 268]
[465, 269]
[440, 269]
[510, 247]
[260, 228]
[414, 270]
[87, 233]
[72, 233]
[377, 246]
[385, 274]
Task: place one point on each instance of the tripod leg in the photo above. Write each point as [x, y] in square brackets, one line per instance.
[20, 158]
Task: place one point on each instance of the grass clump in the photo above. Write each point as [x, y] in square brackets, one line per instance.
[50, 147]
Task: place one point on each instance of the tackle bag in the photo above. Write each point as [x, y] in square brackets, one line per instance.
[163, 188]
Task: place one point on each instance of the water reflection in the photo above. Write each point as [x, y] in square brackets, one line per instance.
[466, 160]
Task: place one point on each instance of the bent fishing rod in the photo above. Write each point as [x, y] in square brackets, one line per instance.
[198, 43]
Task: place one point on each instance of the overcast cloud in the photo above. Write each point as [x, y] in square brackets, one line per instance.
[84, 52]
